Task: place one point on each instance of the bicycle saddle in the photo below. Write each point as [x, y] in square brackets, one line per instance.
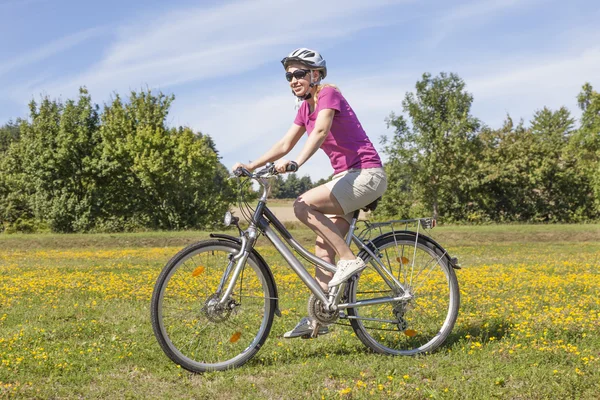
[371, 206]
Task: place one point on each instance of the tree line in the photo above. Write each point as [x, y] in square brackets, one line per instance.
[442, 161]
[73, 167]
[289, 186]
[76, 167]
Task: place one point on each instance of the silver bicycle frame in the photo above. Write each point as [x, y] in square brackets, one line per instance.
[263, 217]
[312, 284]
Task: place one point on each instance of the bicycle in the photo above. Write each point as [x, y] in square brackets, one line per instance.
[214, 302]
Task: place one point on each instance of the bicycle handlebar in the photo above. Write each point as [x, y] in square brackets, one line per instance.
[292, 167]
[268, 169]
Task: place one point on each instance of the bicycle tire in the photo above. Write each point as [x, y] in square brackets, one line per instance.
[222, 339]
[415, 334]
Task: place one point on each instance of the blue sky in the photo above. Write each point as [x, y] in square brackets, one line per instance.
[221, 59]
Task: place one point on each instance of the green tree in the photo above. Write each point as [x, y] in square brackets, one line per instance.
[561, 190]
[432, 158]
[158, 177]
[503, 185]
[277, 188]
[305, 184]
[77, 170]
[48, 169]
[291, 187]
[527, 174]
[9, 133]
[585, 143]
[15, 209]
[400, 200]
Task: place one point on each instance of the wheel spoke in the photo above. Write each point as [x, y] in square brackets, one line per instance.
[428, 274]
[194, 330]
[177, 314]
[427, 319]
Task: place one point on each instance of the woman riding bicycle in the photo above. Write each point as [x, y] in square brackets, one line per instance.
[359, 178]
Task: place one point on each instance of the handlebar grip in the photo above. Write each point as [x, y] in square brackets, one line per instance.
[292, 167]
[241, 171]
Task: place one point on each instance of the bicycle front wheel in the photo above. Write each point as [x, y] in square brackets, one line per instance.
[423, 321]
[192, 326]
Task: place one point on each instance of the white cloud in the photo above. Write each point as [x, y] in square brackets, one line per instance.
[473, 13]
[478, 9]
[19, 3]
[520, 87]
[563, 71]
[232, 26]
[201, 43]
[48, 50]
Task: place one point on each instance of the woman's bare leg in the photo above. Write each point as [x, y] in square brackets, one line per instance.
[310, 209]
[326, 252]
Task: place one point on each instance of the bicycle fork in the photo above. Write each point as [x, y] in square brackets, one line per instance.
[248, 240]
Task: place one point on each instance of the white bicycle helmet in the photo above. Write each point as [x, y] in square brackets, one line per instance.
[310, 58]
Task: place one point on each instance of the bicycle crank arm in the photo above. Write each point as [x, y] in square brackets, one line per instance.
[381, 300]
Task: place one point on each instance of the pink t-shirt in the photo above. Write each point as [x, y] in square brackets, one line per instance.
[347, 144]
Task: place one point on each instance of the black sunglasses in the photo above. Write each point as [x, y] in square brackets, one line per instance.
[298, 74]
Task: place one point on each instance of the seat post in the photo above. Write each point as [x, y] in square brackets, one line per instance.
[352, 227]
[369, 207]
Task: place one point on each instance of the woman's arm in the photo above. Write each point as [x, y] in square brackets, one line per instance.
[317, 136]
[279, 149]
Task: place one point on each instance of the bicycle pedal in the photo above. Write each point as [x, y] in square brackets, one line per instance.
[315, 331]
[313, 335]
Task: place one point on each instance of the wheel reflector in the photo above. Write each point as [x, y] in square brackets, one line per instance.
[235, 337]
[198, 271]
[410, 333]
[402, 260]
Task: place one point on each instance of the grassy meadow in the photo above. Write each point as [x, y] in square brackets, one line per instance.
[75, 323]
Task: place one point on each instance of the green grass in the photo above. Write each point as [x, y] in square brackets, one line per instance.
[74, 322]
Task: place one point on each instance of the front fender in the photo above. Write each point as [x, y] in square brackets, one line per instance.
[259, 258]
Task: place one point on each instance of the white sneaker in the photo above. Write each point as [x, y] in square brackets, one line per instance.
[345, 269]
[305, 328]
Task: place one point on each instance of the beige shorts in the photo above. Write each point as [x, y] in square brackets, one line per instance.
[357, 188]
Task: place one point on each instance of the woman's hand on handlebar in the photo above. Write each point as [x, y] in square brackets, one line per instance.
[240, 165]
[283, 165]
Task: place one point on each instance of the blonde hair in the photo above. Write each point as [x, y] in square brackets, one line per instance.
[320, 87]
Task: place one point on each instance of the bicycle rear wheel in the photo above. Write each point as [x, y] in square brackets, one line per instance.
[417, 325]
[192, 328]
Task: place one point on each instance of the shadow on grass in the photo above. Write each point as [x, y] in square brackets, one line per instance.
[306, 351]
[481, 332]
